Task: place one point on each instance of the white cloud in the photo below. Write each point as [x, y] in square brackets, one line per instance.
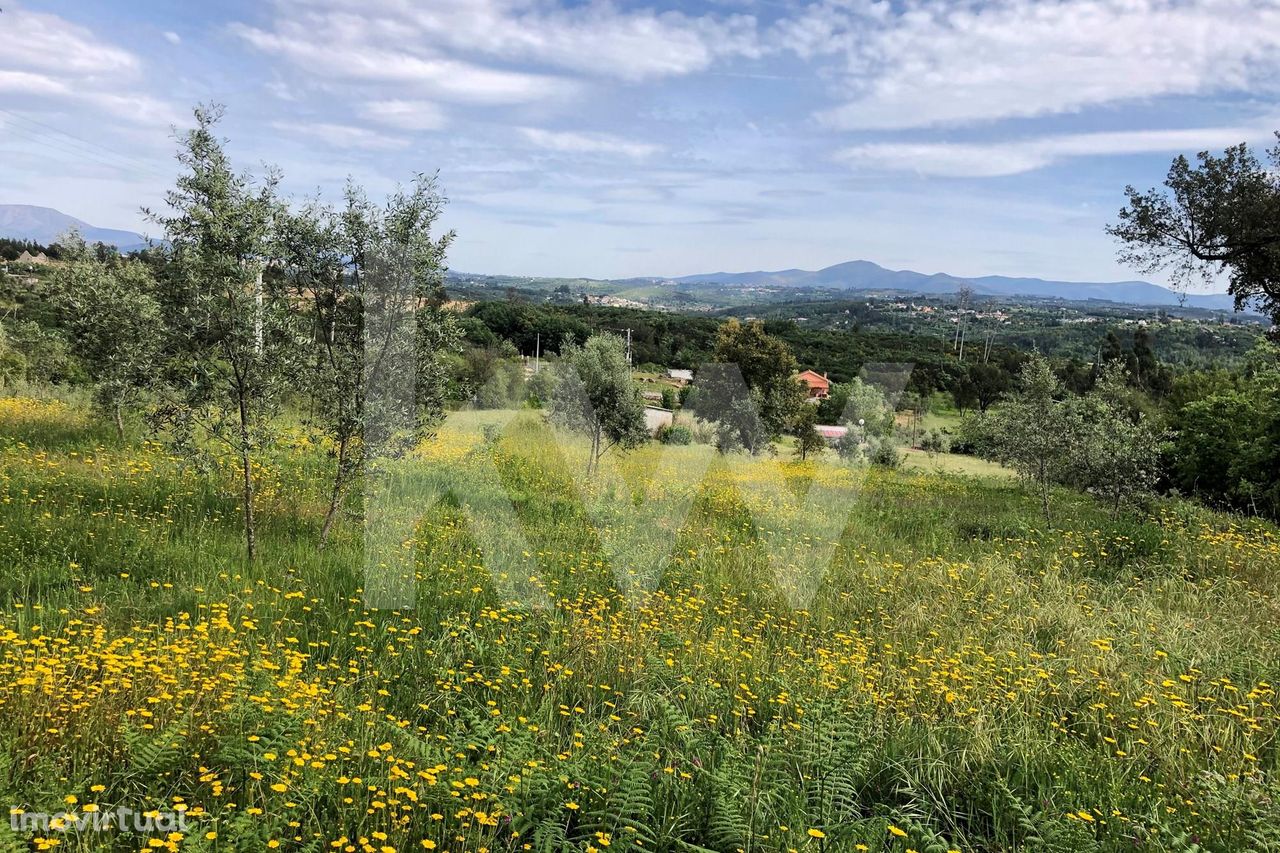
[596, 38]
[347, 48]
[984, 160]
[406, 115]
[172, 38]
[45, 56]
[570, 142]
[35, 40]
[942, 62]
[341, 135]
[28, 83]
[463, 51]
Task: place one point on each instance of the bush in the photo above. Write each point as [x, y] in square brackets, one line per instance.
[677, 434]
[885, 454]
[849, 446]
[933, 442]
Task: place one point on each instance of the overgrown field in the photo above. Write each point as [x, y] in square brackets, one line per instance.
[761, 656]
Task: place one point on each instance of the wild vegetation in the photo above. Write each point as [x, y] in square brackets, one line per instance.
[945, 672]
[296, 548]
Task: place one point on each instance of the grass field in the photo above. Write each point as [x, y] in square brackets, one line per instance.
[952, 463]
[687, 654]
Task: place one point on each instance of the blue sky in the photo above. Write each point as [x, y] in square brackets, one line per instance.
[611, 139]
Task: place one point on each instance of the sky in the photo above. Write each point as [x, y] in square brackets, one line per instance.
[616, 139]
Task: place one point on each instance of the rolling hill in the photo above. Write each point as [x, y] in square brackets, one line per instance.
[865, 275]
[45, 225]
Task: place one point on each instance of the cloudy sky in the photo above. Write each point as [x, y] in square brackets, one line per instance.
[622, 138]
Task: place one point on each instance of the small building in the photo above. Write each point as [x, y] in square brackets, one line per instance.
[684, 377]
[817, 384]
[831, 434]
[655, 418]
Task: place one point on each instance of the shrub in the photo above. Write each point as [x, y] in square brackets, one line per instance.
[934, 442]
[849, 446]
[885, 454]
[675, 434]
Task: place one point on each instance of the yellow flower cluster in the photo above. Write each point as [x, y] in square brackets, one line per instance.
[639, 695]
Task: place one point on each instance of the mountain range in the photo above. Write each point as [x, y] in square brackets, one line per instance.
[45, 225]
[865, 275]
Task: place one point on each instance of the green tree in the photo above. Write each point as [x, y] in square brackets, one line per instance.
[1117, 452]
[1033, 432]
[231, 344]
[804, 428]
[1225, 449]
[1148, 372]
[867, 409]
[383, 263]
[596, 396]
[768, 368]
[989, 382]
[114, 323]
[885, 454]
[850, 445]
[541, 385]
[1112, 349]
[1220, 216]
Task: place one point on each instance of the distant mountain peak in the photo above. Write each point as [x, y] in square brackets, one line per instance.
[866, 275]
[45, 225]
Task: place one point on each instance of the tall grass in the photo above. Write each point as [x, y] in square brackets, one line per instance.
[687, 653]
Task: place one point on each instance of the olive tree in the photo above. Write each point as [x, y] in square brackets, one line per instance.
[804, 428]
[114, 323]
[595, 395]
[1033, 432]
[1117, 454]
[371, 278]
[230, 338]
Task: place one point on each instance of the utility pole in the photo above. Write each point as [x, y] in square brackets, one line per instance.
[537, 354]
[628, 331]
[963, 294]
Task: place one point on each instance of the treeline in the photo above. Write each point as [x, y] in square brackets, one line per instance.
[1213, 435]
[663, 339]
[1196, 338]
[658, 339]
[1218, 430]
[11, 249]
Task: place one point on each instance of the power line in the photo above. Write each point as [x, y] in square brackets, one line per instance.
[59, 146]
[80, 141]
[49, 147]
[68, 143]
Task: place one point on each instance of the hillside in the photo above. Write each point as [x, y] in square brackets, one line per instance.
[898, 675]
[45, 225]
[865, 275]
[718, 289]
